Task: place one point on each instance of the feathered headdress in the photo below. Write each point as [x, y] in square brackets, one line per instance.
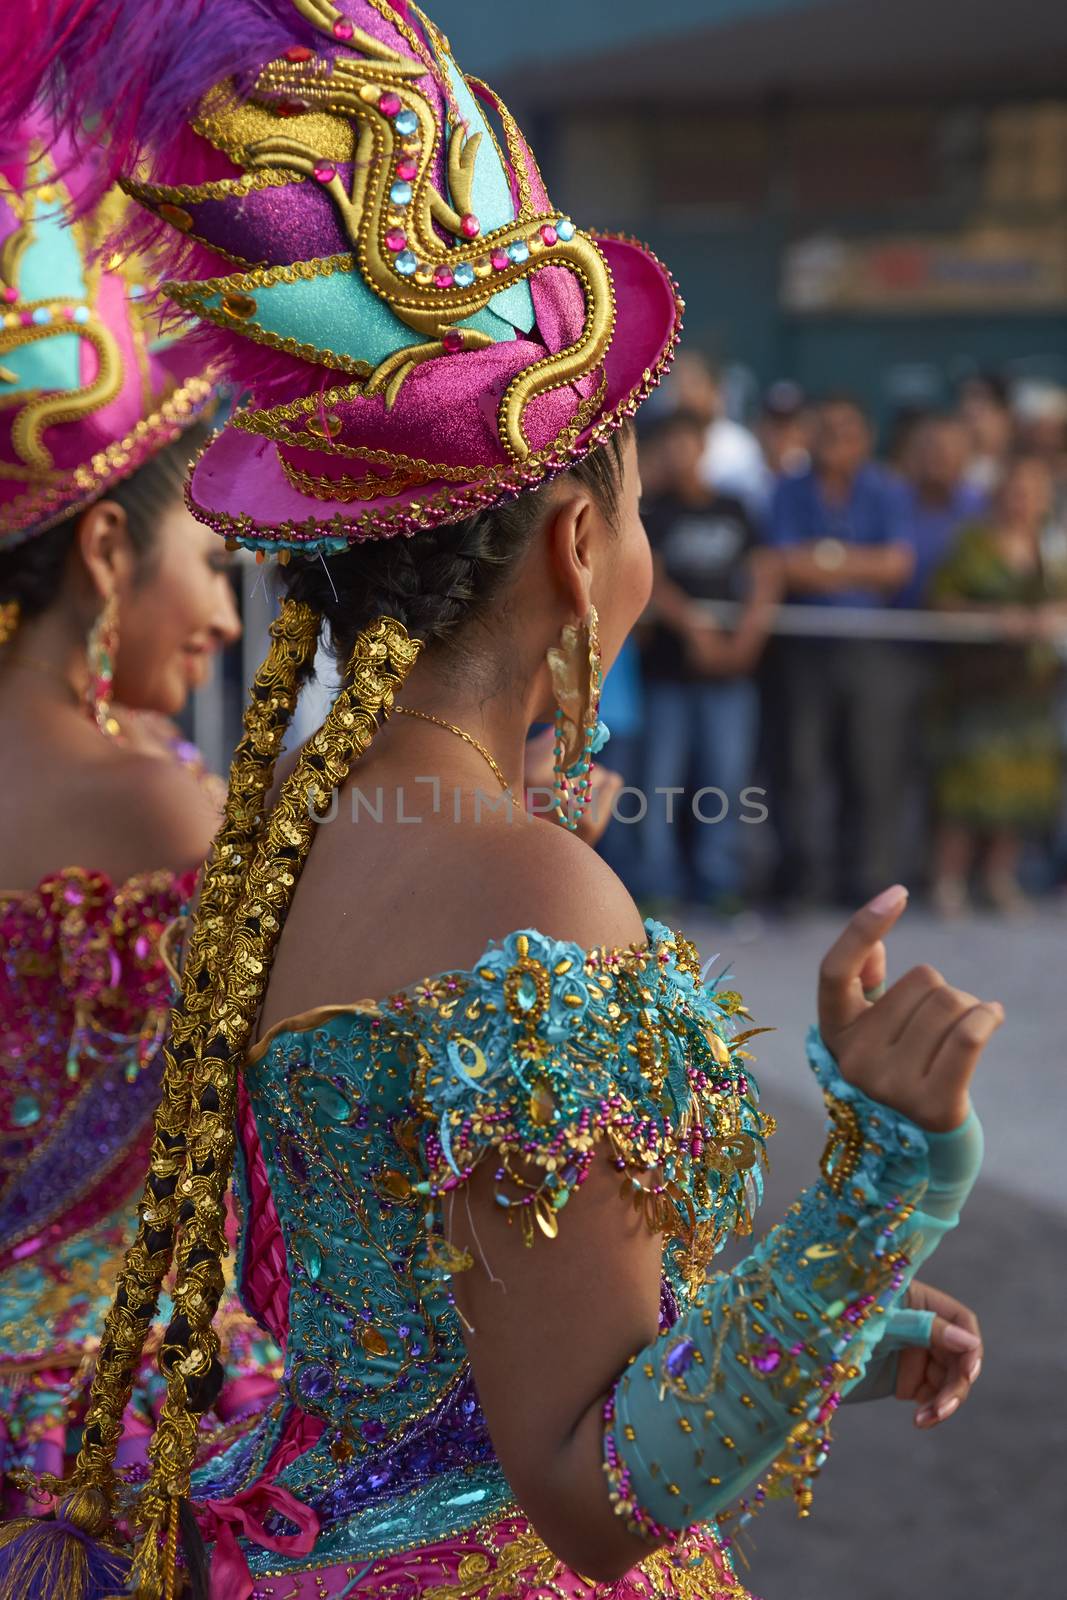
[366, 233]
[87, 393]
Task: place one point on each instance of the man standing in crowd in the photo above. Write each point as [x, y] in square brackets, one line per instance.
[937, 500]
[985, 411]
[732, 461]
[701, 702]
[841, 532]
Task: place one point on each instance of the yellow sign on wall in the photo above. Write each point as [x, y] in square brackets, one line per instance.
[982, 270]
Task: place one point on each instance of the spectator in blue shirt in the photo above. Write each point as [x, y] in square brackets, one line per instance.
[938, 500]
[841, 533]
[841, 526]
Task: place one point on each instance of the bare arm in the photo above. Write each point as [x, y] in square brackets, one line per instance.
[819, 569]
[553, 1326]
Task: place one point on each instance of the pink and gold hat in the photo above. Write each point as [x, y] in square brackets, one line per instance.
[420, 333]
[85, 395]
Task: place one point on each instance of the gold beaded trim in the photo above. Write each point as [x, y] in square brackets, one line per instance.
[346, 488]
[44, 505]
[844, 1145]
[191, 297]
[453, 505]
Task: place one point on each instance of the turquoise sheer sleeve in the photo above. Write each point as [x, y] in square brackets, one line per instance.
[742, 1390]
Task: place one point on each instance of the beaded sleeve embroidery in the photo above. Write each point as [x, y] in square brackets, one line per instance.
[357, 1122]
[363, 1117]
[748, 1382]
[84, 997]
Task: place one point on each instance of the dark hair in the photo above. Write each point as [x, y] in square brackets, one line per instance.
[681, 421]
[994, 385]
[438, 581]
[843, 399]
[32, 572]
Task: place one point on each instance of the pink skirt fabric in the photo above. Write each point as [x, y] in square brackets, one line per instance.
[506, 1559]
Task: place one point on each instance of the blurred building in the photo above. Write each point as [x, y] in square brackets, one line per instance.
[856, 194]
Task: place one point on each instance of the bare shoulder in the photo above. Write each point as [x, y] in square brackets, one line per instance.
[538, 875]
[149, 811]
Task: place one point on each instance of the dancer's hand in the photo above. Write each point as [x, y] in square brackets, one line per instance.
[916, 1047]
[938, 1378]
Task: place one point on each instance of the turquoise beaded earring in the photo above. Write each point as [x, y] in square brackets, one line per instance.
[577, 677]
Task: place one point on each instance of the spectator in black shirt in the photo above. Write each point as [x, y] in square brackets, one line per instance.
[702, 708]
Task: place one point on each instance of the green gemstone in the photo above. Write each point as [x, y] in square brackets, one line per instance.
[526, 992]
[332, 1101]
[311, 1257]
[26, 1111]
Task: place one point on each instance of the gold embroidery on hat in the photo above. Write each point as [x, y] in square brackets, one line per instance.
[350, 87]
[51, 500]
[346, 488]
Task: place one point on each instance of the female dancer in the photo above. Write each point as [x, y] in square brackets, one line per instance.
[110, 595]
[482, 1209]
[997, 742]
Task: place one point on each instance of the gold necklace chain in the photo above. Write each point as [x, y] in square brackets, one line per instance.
[450, 727]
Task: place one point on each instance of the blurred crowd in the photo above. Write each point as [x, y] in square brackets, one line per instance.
[850, 673]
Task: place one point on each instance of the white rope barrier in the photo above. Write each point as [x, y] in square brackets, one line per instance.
[857, 622]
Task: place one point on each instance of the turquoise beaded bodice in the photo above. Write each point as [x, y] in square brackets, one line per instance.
[368, 1116]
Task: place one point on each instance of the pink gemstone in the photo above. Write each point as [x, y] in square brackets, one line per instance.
[26, 319]
[325, 172]
[501, 260]
[396, 241]
[549, 234]
[390, 104]
[343, 29]
[453, 341]
[68, 312]
[443, 278]
[11, 294]
[470, 226]
[407, 169]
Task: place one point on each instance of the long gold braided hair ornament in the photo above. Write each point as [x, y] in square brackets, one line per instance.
[247, 888]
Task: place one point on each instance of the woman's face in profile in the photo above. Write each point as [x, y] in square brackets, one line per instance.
[623, 593]
[175, 616]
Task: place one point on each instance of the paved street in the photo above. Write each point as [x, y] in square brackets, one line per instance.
[974, 1511]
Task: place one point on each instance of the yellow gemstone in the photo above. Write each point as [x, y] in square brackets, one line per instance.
[395, 1184]
[177, 216]
[240, 306]
[327, 427]
[373, 1342]
[542, 1106]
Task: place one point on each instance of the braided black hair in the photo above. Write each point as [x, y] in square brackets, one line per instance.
[440, 580]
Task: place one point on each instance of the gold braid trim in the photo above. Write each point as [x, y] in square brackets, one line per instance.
[383, 656]
[273, 700]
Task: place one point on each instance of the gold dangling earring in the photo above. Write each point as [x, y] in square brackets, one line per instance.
[577, 677]
[10, 614]
[101, 650]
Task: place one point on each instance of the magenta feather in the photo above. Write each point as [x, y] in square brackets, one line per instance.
[127, 75]
[135, 70]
